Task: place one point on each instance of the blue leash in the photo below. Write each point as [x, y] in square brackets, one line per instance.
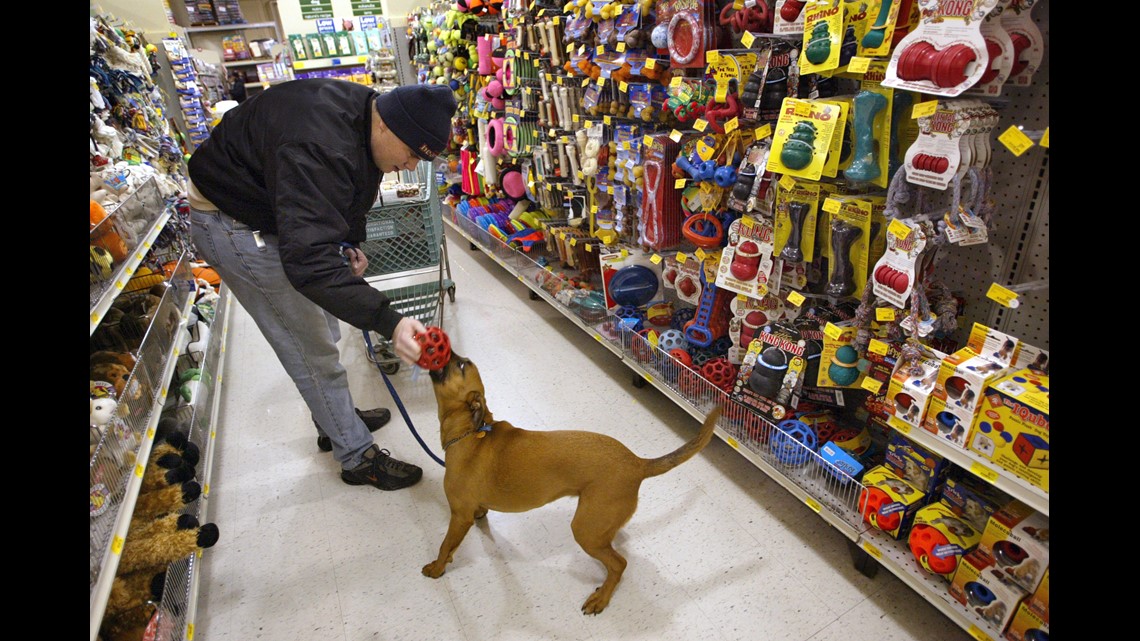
[400, 406]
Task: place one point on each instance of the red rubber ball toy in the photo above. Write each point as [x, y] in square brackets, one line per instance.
[435, 349]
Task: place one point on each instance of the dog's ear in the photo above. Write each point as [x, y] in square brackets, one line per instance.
[477, 407]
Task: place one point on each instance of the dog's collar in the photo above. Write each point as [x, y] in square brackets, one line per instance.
[479, 432]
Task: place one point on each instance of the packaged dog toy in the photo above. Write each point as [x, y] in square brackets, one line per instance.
[772, 372]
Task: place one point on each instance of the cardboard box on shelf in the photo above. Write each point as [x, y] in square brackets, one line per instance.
[1012, 429]
[1017, 537]
[985, 590]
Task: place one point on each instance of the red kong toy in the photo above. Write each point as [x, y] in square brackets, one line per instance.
[436, 349]
[945, 68]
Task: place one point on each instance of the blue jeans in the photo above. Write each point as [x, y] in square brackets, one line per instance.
[302, 334]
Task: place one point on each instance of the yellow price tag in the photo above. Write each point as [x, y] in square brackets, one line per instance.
[562, 236]
[787, 182]
[624, 253]
[582, 50]
[762, 132]
[625, 145]
[747, 221]
[601, 81]
[151, 432]
[731, 125]
[139, 470]
[1015, 140]
[675, 82]
[712, 57]
[548, 78]
[606, 119]
[585, 81]
[679, 183]
[747, 38]
[1045, 139]
[621, 47]
[978, 634]
[593, 209]
[701, 124]
[550, 268]
[832, 205]
[796, 298]
[623, 86]
[675, 136]
[610, 189]
[574, 117]
[600, 50]
[573, 242]
[898, 424]
[923, 109]
[94, 318]
[650, 63]
[701, 253]
[741, 297]
[872, 550]
[557, 19]
[898, 229]
[119, 284]
[1003, 296]
[541, 12]
[656, 259]
[871, 385]
[598, 337]
[647, 377]
[570, 47]
[832, 331]
[190, 626]
[813, 504]
[885, 315]
[732, 443]
[738, 5]
[589, 248]
[983, 472]
[682, 257]
[877, 346]
[647, 140]
[117, 544]
[859, 65]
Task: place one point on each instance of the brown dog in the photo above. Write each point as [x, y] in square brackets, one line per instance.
[493, 465]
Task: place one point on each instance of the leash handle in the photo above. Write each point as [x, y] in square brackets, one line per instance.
[400, 406]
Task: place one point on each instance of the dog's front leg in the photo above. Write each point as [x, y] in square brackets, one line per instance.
[461, 521]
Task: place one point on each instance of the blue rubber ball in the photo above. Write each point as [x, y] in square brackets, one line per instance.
[454, 84]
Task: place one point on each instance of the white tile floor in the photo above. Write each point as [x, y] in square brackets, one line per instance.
[717, 550]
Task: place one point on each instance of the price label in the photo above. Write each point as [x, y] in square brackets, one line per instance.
[650, 63]
[647, 140]
[601, 81]
[732, 443]
[701, 253]
[871, 385]
[573, 242]
[562, 236]
[899, 229]
[877, 346]
[600, 50]
[1015, 140]
[788, 183]
[574, 117]
[682, 257]
[924, 109]
[598, 337]
[610, 189]
[832, 331]
[675, 136]
[859, 65]
[589, 248]
[731, 125]
[582, 50]
[606, 119]
[813, 504]
[541, 12]
[623, 86]
[831, 205]
[885, 315]
[983, 472]
[624, 253]
[557, 19]
[117, 544]
[119, 284]
[741, 297]
[898, 424]
[656, 259]
[585, 81]
[796, 298]
[746, 38]
[701, 124]
[139, 469]
[570, 47]
[747, 221]
[621, 47]
[762, 289]
[679, 183]
[872, 550]
[675, 82]
[548, 78]
[593, 209]
[1045, 139]
[1003, 296]
[978, 634]
[625, 145]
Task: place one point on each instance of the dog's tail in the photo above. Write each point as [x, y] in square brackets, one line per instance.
[662, 464]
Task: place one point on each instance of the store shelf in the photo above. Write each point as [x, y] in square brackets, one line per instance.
[246, 63]
[328, 63]
[833, 500]
[1017, 488]
[231, 27]
[110, 546]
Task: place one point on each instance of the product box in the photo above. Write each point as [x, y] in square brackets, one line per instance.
[938, 539]
[985, 590]
[772, 372]
[911, 384]
[1039, 601]
[915, 464]
[882, 356]
[972, 500]
[1012, 428]
[888, 502]
[1017, 537]
[841, 460]
[962, 379]
[1027, 625]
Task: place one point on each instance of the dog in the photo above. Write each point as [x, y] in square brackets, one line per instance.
[493, 465]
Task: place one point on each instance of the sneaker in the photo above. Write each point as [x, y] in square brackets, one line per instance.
[373, 420]
[380, 470]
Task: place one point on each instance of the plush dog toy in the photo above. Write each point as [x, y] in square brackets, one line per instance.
[129, 607]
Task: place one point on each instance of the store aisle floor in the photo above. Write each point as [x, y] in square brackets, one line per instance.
[717, 550]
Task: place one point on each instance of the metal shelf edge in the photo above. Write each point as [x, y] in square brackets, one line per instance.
[110, 565]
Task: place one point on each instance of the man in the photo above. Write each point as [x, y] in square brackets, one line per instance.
[278, 198]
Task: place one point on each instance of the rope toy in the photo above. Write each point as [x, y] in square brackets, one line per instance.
[435, 349]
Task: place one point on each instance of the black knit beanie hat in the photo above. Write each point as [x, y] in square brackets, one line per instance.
[420, 116]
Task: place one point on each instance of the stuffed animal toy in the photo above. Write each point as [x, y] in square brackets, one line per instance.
[102, 413]
[130, 604]
[189, 383]
[168, 469]
[160, 542]
[126, 359]
[112, 373]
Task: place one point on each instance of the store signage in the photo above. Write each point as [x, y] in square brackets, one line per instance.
[315, 9]
[368, 22]
[366, 8]
[326, 25]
